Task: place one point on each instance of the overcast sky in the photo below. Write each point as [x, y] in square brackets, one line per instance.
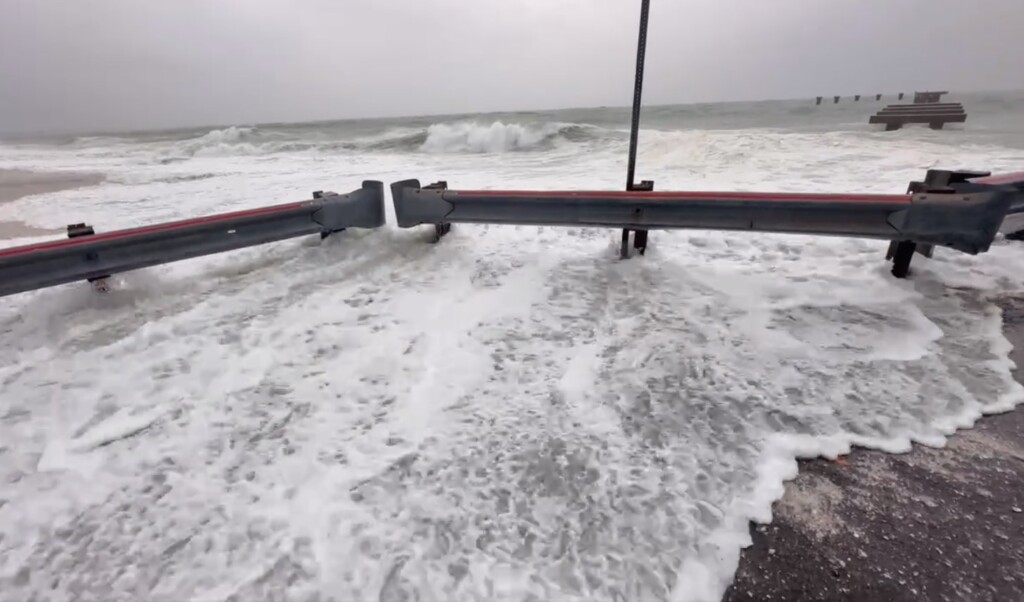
[112, 64]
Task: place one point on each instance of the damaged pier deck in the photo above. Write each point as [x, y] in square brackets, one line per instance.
[926, 109]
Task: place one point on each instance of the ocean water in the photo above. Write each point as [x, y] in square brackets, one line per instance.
[511, 414]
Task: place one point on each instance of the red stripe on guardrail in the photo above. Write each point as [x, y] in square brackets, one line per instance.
[58, 244]
[689, 196]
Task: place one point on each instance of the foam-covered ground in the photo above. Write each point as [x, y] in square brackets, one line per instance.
[512, 414]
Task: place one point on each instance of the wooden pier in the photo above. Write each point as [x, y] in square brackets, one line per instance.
[925, 109]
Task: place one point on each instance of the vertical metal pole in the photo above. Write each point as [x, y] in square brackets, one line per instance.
[641, 51]
[639, 236]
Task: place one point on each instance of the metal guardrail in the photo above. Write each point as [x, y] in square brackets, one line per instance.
[946, 209]
[955, 209]
[90, 256]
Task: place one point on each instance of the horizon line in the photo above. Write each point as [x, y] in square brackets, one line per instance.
[14, 135]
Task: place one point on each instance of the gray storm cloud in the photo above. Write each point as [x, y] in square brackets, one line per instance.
[117, 64]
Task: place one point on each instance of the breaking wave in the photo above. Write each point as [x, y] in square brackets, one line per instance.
[395, 139]
[498, 137]
[450, 137]
[229, 141]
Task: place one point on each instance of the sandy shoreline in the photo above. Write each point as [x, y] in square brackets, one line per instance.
[932, 524]
[18, 183]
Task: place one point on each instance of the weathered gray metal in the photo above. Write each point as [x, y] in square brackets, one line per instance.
[639, 236]
[960, 214]
[94, 256]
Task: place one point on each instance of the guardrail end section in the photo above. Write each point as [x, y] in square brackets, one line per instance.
[373, 191]
[361, 208]
[415, 205]
[965, 222]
